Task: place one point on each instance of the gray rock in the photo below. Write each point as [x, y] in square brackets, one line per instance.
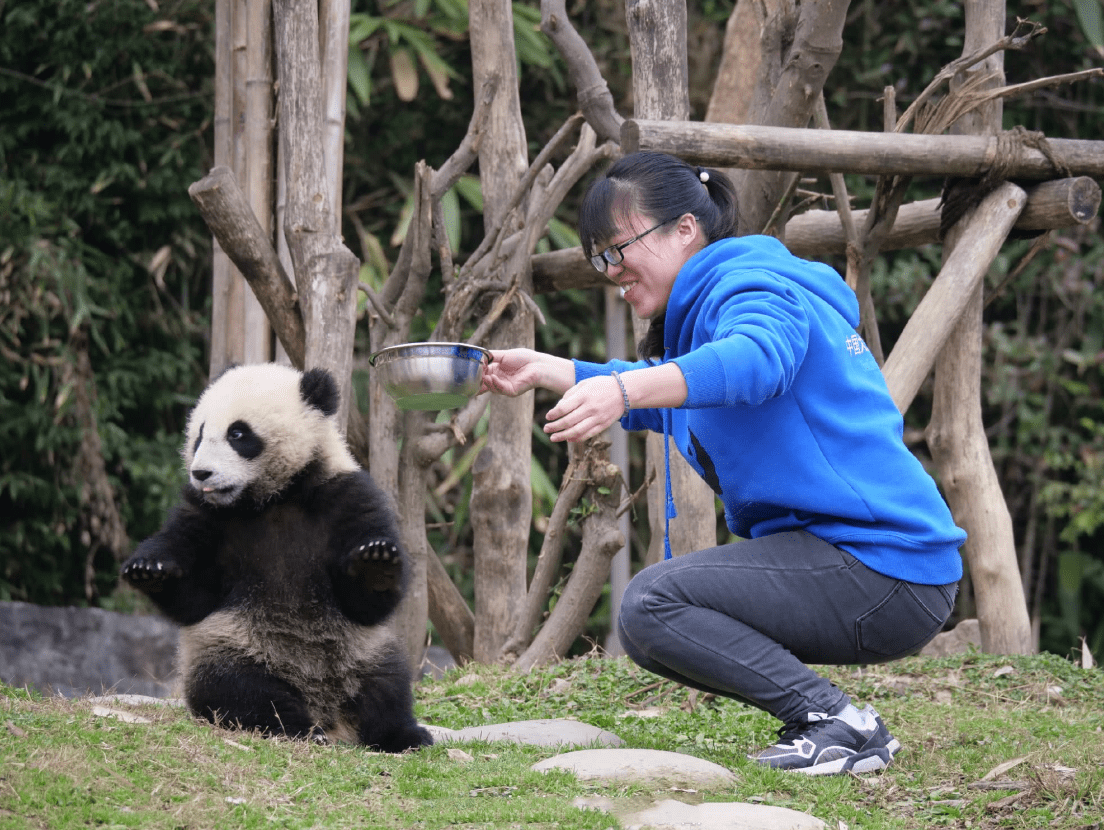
[436, 662]
[961, 639]
[544, 732]
[735, 815]
[649, 767]
[77, 651]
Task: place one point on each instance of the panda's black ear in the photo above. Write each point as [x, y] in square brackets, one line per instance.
[318, 389]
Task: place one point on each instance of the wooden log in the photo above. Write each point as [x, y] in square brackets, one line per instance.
[753, 147]
[228, 216]
[931, 323]
[1060, 203]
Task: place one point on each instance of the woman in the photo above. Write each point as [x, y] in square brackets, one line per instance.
[752, 367]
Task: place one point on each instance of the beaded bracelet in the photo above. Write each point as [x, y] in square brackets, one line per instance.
[624, 393]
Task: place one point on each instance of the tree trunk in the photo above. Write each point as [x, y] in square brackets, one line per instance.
[501, 503]
[791, 77]
[313, 232]
[226, 346]
[258, 163]
[740, 61]
[657, 33]
[956, 433]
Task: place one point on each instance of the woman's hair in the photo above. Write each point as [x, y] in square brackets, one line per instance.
[662, 187]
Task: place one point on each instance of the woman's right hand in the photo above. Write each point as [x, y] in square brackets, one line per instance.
[514, 371]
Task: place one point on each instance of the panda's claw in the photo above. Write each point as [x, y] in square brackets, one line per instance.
[149, 574]
[377, 562]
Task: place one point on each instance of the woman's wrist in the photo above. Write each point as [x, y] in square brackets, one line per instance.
[556, 373]
[624, 392]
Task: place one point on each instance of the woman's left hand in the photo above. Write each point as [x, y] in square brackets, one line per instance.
[586, 409]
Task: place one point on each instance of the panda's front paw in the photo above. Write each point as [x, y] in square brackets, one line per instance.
[149, 574]
[378, 564]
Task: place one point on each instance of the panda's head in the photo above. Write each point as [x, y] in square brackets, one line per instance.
[258, 426]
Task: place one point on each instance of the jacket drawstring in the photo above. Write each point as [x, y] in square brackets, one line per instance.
[671, 512]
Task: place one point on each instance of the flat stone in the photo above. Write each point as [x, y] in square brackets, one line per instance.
[441, 734]
[542, 732]
[137, 700]
[640, 766]
[733, 815]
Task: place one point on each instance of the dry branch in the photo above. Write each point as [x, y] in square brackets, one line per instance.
[592, 92]
[547, 568]
[227, 213]
[601, 539]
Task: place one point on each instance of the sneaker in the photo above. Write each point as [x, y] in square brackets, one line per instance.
[827, 745]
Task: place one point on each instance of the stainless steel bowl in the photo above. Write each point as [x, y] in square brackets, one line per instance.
[430, 375]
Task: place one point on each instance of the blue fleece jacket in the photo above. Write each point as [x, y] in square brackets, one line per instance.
[788, 417]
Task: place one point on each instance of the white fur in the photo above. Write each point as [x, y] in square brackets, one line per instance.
[265, 396]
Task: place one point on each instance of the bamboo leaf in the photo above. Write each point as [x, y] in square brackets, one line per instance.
[471, 191]
[439, 72]
[450, 207]
[360, 76]
[1092, 22]
[362, 27]
[404, 73]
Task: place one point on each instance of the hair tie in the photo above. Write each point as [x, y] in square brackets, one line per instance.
[703, 175]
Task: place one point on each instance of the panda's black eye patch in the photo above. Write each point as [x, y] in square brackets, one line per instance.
[198, 440]
[244, 440]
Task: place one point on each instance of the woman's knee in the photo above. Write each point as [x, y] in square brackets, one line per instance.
[633, 613]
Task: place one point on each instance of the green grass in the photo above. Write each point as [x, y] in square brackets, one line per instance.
[960, 719]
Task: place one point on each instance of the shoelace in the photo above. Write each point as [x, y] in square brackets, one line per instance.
[800, 727]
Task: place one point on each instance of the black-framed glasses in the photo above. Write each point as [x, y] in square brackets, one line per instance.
[613, 256]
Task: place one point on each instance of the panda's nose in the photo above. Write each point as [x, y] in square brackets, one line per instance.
[201, 475]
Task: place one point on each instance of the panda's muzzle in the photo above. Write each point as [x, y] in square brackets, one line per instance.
[211, 492]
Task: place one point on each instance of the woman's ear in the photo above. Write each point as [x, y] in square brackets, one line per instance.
[689, 231]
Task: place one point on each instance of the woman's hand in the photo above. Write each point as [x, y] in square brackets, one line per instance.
[586, 409]
[514, 371]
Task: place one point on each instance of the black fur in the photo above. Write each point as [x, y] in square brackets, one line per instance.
[318, 389]
[307, 574]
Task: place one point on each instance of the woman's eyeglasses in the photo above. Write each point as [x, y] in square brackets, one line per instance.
[613, 256]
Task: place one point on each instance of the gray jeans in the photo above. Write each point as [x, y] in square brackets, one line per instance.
[742, 620]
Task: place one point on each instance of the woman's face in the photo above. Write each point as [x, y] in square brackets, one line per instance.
[647, 273]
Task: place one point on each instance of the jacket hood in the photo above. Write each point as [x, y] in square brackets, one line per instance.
[765, 253]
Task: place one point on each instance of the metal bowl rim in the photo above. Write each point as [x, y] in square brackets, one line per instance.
[399, 346]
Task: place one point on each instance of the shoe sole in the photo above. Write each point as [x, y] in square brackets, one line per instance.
[873, 760]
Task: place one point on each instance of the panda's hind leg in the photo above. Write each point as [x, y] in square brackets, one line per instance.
[384, 711]
[243, 695]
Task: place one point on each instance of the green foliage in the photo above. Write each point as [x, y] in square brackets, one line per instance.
[102, 271]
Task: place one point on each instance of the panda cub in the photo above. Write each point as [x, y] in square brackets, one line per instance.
[282, 565]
